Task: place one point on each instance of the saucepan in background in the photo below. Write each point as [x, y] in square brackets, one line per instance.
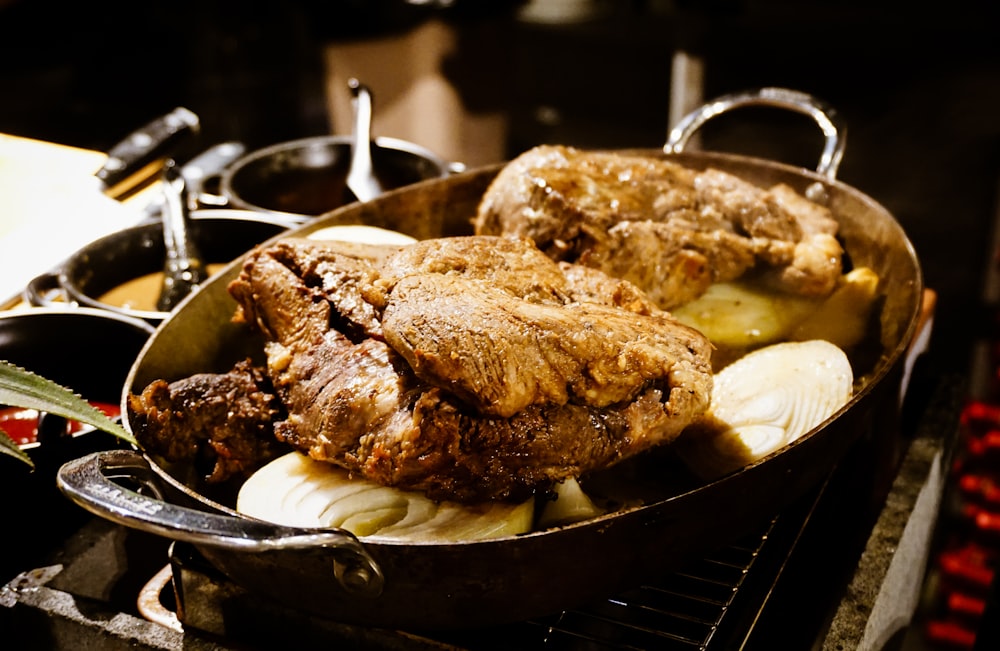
[107, 263]
[302, 179]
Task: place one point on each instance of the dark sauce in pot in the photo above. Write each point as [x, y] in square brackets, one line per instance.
[318, 189]
[302, 191]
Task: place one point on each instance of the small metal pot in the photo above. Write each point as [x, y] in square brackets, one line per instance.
[106, 263]
[301, 179]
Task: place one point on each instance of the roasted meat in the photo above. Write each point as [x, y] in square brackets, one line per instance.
[223, 423]
[670, 230]
[471, 368]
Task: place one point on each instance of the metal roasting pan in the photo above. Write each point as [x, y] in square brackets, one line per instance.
[472, 584]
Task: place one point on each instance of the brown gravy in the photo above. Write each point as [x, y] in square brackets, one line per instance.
[141, 293]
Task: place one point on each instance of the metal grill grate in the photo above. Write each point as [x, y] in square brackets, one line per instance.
[706, 604]
[682, 612]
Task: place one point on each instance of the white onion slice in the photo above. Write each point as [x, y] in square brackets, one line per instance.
[297, 491]
[570, 504]
[739, 315]
[361, 234]
[843, 317]
[764, 401]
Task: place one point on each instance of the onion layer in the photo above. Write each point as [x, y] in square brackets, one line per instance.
[297, 491]
[569, 504]
[741, 315]
[764, 401]
[362, 234]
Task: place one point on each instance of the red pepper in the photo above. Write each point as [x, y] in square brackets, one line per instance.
[980, 489]
[21, 425]
[968, 566]
[983, 450]
[966, 605]
[954, 634]
[979, 413]
[988, 522]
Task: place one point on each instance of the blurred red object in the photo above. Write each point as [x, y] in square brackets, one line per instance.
[953, 635]
[965, 605]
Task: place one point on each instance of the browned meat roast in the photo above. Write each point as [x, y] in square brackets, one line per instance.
[470, 368]
[222, 422]
[670, 230]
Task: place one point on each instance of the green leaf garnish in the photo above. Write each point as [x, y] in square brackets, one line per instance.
[11, 449]
[22, 388]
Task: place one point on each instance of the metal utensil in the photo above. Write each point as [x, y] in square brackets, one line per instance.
[143, 149]
[202, 176]
[184, 267]
[361, 179]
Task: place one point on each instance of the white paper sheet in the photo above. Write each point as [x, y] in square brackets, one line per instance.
[50, 206]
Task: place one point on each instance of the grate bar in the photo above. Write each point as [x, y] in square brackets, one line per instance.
[682, 612]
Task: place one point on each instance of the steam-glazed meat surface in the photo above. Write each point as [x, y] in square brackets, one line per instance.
[670, 230]
[471, 368]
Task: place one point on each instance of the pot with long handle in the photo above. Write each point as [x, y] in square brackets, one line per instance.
[302, 179]
[362, 181]
[184, 267]
[478, 583]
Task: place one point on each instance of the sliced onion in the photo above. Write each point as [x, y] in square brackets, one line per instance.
[569, 504]
[842, 319]
[361, 234]
[764, 401]
[297, 491]
[738, 315]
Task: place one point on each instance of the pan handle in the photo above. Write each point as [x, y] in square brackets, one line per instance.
[44, 290]
[834, 128]
[87, 481]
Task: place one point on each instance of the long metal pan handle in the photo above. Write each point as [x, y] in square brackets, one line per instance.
[143, 149]
[87, 481]
[834, 128]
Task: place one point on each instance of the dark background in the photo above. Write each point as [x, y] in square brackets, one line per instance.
[919, 87]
